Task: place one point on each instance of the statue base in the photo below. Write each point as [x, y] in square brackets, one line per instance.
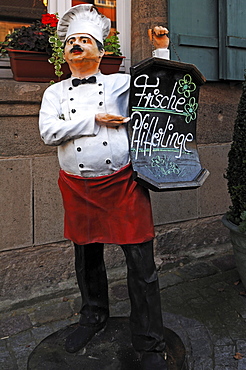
[111, 349]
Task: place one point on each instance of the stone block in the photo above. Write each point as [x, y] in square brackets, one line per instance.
[215, 123]
[119, 291]
[225, 263]
[20, 346]
[195, 238]
[41, 332]
[20, 136]
[199, 270]
[169, 279]
[14, 325]
[15, 203]
[13, 91]
[48, 208]
[113, 256]
[6, 361]
[52, 311]
[21, 109]
[213, 198]
[174, 206]
[29, 273]
[217, 111]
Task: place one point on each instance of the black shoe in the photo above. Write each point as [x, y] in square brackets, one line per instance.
[81, 336]
[153, 361]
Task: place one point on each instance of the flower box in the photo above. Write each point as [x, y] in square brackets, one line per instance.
[33, 66]
[110, 64]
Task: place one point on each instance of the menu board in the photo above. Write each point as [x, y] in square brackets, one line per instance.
[162, 131]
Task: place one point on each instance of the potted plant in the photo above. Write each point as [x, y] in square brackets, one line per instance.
[235, 219]
[36, 52]
[112, 58]
[37, 43]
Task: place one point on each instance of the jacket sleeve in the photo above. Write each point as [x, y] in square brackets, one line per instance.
[55, 126]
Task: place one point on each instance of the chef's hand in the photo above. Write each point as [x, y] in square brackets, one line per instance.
[158, 35]
[110, 120]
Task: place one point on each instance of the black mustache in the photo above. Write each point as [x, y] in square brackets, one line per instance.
[76, 48]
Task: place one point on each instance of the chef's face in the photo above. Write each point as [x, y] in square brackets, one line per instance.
[82, 47]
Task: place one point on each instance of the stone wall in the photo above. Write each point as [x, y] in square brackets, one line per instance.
[31, 206]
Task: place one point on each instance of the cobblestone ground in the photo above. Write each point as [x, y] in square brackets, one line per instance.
[202, 302]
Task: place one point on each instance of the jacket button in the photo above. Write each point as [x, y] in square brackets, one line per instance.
[100, 92]
[101, 103]
[70, 88]
[73, 110]
[78, 149]
[81, 165]
[105, 143]
[71, 99]
[108, 161]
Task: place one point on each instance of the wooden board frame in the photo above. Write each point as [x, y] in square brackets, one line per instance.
[162, 131]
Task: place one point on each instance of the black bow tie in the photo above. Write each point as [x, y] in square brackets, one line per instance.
[90, 80]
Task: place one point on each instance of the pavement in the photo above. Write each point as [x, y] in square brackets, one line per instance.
[203, 302]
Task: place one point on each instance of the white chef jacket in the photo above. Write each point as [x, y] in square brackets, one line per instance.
[67, 119]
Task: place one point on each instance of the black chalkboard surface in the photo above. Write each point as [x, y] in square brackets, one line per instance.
[162, 131]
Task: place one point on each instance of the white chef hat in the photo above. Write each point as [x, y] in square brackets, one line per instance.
[83, 18]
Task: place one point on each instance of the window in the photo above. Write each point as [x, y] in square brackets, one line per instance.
[210, 34]
[18, 13]
[106, 7]
[106, 3]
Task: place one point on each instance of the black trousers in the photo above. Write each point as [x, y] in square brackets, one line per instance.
[146, 318]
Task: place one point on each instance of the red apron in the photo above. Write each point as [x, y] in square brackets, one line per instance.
[106, 209]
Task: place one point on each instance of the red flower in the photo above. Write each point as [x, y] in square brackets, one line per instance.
[49, 19]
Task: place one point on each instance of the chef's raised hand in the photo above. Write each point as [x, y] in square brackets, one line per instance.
[158, 36]
[110, 120]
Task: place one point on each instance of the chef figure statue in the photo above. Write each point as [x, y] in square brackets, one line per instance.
[85, 116]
